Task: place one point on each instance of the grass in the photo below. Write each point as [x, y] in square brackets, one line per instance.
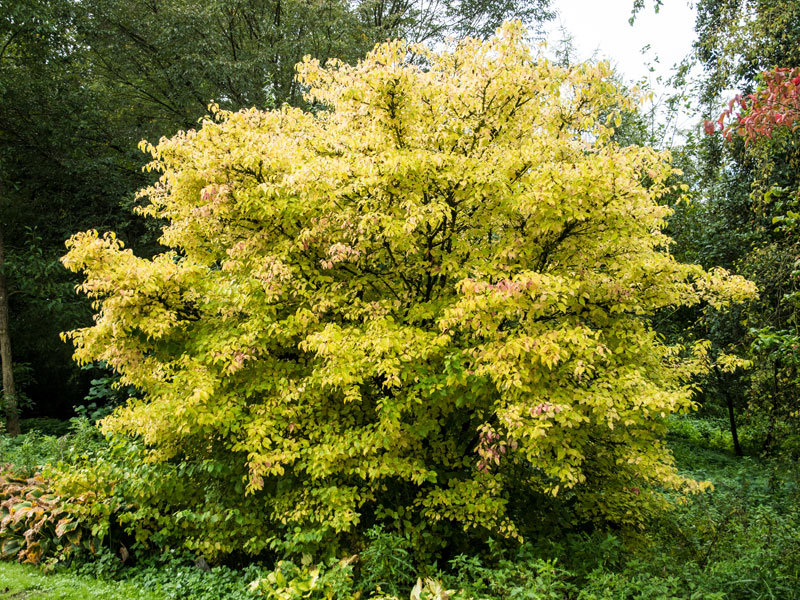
[26, 582]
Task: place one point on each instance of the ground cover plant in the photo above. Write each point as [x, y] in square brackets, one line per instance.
[34, 522]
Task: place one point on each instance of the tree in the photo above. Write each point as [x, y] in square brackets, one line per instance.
[427, 304]
[739, 39]
[766, 120]
[774, 106]
[9, 389]
[167, 59]
[28, 42]
[740, 188]
[432, 21]
[60, 170]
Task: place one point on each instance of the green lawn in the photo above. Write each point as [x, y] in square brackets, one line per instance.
[25, 582]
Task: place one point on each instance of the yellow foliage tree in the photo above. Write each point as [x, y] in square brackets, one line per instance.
[422, 303]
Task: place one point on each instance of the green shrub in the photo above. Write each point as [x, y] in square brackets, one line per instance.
[31, 451]
[632, 585]
[176, 576]
[198, 506]
[523, 577]
[706, 432]
[386, 564]
[46, 426]
[740, 541]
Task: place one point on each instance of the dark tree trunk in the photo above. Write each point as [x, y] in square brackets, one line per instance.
[773, 417]
[9, 393]
[723, 388]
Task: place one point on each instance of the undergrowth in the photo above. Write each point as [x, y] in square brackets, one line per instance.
[740, 541]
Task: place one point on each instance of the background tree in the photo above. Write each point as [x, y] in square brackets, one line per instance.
[167, 59]
[9, 387]
[766, 120]
[433, 20]
[744, 199]
[44, 174]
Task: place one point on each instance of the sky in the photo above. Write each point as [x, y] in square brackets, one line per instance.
[600, 29]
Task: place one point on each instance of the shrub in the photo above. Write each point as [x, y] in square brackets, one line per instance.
[711, 433]
[522, 578]
[386, 563]
[424, 304]
[175, 576]
[29, 452]
[45, 425]
[128, 499]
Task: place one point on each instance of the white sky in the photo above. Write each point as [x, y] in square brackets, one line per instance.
[601, 26]
[600, 29]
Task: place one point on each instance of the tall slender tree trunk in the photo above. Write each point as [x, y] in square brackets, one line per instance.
[9, 392]
[723, 385]
[773, 410]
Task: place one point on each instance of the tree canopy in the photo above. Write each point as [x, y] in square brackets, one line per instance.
[403, 307]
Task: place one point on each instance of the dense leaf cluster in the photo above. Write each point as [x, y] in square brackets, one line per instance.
[423, 305]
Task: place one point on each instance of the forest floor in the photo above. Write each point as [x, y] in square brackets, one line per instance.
[26, 582]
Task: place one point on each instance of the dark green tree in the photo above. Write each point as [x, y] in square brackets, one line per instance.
[743, 191]
[40, 197]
